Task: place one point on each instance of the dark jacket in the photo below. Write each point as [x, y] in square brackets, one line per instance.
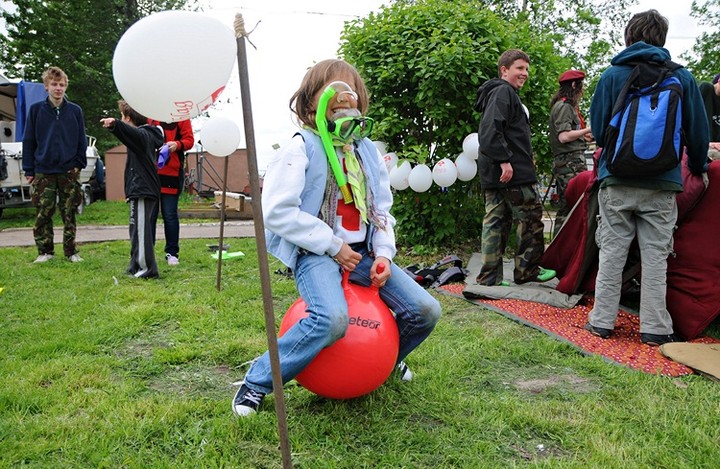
[54, 141]
[712, 109]
[141, 177]
[694, 119]
[504, 135]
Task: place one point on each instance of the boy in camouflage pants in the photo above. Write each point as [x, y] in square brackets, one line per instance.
[54, 152]
[507, 176]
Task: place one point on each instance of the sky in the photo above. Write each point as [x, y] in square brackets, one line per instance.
[292, 35]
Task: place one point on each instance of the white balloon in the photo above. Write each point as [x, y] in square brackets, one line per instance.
[382, 148]
[391, 161]
[444, 173]
[145, 59]
[471, 155]
[399, 175]
[466, 167]
[420, 178]
[470, 145]
[220, 136]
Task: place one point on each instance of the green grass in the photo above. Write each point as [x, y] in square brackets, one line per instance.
[102, 370]
[101, 212]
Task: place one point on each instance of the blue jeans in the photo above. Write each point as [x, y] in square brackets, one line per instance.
[318, 279]
[171, 223]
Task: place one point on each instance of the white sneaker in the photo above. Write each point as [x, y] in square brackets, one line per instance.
[172, 260]
[43, 258]
[404, 372]
[75, 258]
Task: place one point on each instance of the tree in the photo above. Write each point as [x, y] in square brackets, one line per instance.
[704, 61]
[79, 36]
[423, 62]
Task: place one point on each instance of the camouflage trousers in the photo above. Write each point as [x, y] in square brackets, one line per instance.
[521, 205]
[565, 167]
[51, 190]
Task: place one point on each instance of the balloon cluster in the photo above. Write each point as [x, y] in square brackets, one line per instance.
[143, 72]
[445, 172]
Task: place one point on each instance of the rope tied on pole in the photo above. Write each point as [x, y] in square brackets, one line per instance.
[239, 25]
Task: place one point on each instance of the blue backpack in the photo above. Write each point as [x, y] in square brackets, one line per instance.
[644, 137]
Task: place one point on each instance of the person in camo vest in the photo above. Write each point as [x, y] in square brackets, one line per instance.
[568, 138]
[54, 152]
[507, 176]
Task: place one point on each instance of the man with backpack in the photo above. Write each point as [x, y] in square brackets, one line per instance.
[641, 201]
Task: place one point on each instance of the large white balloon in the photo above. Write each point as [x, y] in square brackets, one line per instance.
[420, 178]
[382, 148]
[470, 145]
[146, 59]
[399, 175]
[391, 161]
[444, 173]
[220, 136]
[466, 167]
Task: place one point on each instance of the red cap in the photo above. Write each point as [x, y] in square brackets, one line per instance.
[571, 75]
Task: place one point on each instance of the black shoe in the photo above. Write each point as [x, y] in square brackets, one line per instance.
[654, 340]
[598, 331]
[246, 401]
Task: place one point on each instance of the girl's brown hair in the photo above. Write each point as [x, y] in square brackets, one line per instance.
[301, 102]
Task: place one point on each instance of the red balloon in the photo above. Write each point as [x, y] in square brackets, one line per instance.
[363, 359]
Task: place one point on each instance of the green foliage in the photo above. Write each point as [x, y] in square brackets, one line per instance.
[704, 61]
[79, 37]
[423, 62]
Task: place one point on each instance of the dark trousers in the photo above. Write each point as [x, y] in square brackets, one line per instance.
[171, 223]
[142, 254]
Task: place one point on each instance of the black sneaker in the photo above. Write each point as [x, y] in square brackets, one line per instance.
[598, 331]
[655, 340]
[246, 401]
[403, 371]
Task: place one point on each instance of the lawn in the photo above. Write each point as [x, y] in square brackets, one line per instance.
[102, 370]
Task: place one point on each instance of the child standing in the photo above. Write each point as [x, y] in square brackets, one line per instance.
[312, 230]
[142, 184]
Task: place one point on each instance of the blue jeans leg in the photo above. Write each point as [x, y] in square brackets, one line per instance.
[416, 311]
[171, 222]
[318, 279]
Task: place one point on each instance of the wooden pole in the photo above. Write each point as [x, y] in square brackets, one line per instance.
[222, 225]
[264, 266]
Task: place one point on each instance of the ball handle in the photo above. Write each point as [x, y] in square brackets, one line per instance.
[346, 277]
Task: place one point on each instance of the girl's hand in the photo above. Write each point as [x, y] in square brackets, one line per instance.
[347, 258]
[380, 272]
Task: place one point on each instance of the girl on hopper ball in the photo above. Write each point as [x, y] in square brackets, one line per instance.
[326, 204]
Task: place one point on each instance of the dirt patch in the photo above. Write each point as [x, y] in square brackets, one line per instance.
[565, 381]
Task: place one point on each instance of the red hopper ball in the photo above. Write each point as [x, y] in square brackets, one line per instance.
[364, 358]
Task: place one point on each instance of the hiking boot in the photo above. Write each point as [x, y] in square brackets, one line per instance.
[403, 371]
[75, 258]
[43, 258]
[598, 331]
[545, 274]
[655, 340]
[246, 401]
[172, 260]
